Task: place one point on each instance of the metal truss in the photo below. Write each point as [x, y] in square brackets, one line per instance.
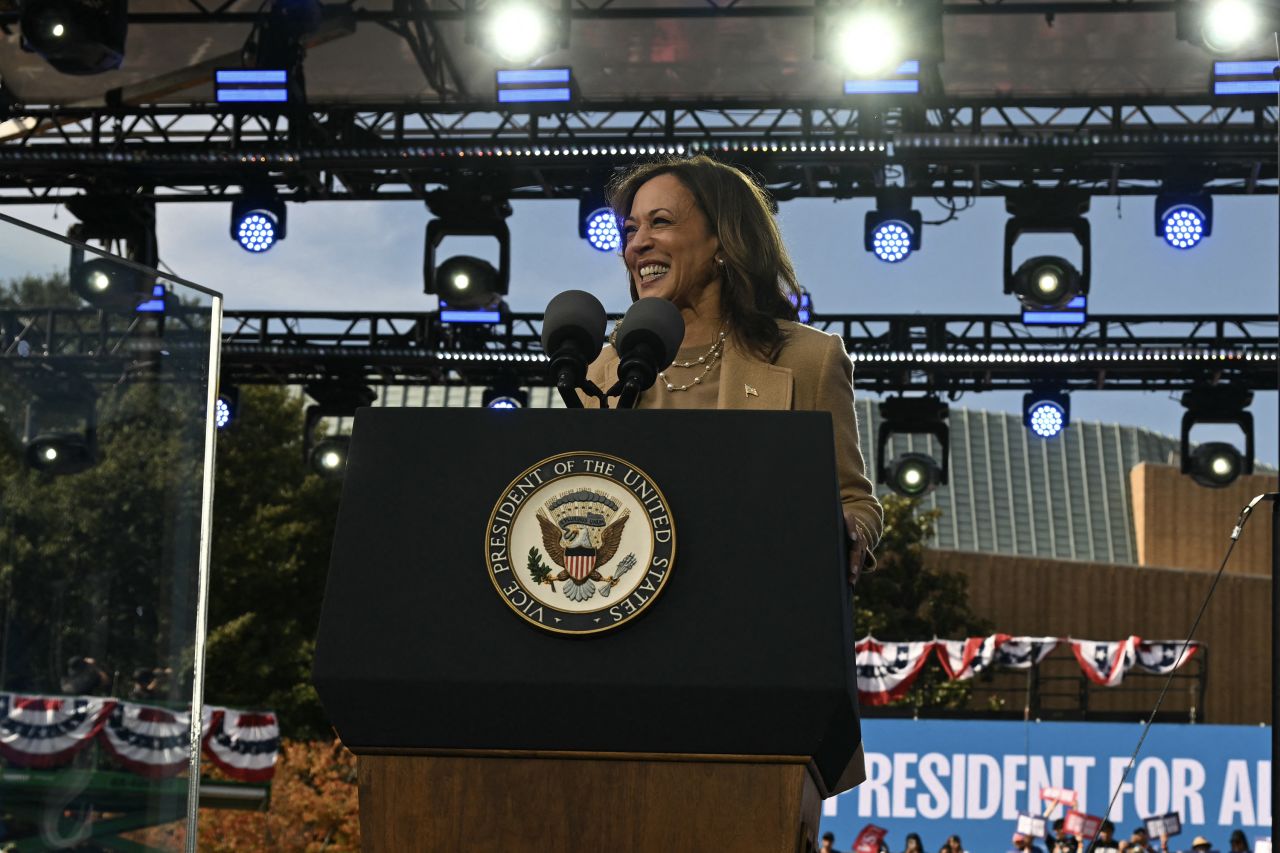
[954, 148]
[892, 353]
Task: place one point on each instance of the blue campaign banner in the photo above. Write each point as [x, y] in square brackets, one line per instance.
[972, 777]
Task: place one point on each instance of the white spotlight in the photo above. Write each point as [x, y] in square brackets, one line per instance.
[1229, 25]
[518, 31]
[869, 42]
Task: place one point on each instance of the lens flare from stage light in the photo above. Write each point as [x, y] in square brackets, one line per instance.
[868, 43]
[1229, 25]
[518, 31]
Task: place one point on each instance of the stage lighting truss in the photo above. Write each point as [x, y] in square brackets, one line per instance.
[258, 220]
[1047, 281]
[1183, 219]
[913, 474]
[1046, 412]
[521, 31]
[463, 281]
[893, 230]
[1225, 27]
[874, 37]
[76, 36]
[334, 399]
[1217, 464]
[60, 432]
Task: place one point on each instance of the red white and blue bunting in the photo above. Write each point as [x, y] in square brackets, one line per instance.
[244, 745]
[886, 670]
[47, 731]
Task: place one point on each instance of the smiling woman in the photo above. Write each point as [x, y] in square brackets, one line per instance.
[702, 235]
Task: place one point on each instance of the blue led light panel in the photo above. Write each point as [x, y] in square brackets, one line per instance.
[251, 85]
[1251, 77]
[905, 80]
[534, 85]
[1071, 314]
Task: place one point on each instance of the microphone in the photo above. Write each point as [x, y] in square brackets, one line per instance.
[651, 334]
[572, 337]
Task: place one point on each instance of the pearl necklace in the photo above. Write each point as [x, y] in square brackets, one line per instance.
[709, 361]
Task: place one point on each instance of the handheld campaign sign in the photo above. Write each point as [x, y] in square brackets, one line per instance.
[1066, 796]
[1081, 825]
[869, 839]
[1162, 825]
[1031, 825]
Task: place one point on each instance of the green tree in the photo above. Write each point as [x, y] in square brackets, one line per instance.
[907, 600]
[273, 526]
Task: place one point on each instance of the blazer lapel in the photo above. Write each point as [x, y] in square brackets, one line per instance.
[748, 383]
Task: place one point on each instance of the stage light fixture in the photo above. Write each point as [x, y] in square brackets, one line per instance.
[125, 225]
[804, 306]
[258, 220]
[893, 230]
[1046, 412]
[912, 474]
[1046, 282]
[464, 281]
[60, 432]
[328, 457]
[598, 224]
[76, 36]
[519, 31]
[505, 397]
[1183, 219]
[1216, 464]
[335, 398]
[108, 283]
[226, 407]
[1222, 26]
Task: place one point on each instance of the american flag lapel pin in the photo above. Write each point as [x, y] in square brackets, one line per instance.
[751, 392]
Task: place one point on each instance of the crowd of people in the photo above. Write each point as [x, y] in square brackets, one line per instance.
[1058, 841]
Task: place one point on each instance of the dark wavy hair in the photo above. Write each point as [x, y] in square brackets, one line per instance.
[758, 285]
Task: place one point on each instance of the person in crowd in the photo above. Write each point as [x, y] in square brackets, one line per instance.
[702, 235]
[150, 684]
[1106, 837]
[1239, 844]
[1052, 834]
[828, 844]
[953, 845]
[914, 844]
[1066, 844]
[85, 677]
[1139, 842]
[1201, 845]
[1025, 843]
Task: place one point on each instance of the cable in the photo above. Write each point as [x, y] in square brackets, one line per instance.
[1245, 514]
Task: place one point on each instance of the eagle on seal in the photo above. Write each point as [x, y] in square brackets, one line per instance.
[579, 558]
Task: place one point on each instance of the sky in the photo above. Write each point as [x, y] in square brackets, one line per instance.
[368, 255]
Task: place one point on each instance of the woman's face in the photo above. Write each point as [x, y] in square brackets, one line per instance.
[670, 249]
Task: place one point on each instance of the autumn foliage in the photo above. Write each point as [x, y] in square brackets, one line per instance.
[313, 807]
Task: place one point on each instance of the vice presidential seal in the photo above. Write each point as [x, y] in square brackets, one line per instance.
[580, 543]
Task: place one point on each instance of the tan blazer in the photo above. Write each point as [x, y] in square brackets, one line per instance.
[811, 373]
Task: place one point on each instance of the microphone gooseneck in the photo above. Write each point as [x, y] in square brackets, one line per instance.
[572, 337]
[650, 337]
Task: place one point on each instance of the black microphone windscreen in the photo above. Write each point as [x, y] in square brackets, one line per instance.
[657, 320]
[577, 314]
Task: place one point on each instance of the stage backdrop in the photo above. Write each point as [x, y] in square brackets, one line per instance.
[973, 777]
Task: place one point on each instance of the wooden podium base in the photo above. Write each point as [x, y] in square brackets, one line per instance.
[500, 802]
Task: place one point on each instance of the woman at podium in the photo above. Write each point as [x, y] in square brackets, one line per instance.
[703, 235]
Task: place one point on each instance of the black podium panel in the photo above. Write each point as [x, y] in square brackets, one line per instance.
[748, 650]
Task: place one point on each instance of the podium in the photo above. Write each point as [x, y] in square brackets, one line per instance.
[716, 715]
